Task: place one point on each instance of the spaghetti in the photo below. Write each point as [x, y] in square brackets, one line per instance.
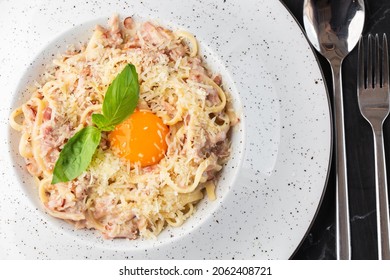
[114, 196]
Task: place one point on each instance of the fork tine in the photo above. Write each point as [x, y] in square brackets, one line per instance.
[361, 78]
[369, 62]
[385, 66]
[377, 63]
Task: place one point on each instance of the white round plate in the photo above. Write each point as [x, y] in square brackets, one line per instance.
[270, 190]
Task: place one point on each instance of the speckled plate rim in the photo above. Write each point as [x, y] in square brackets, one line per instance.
[332, 138]
[264, 251]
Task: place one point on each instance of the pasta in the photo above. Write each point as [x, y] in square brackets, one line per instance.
[119, 198]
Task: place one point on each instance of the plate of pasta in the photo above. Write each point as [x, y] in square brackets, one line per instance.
[142, 131]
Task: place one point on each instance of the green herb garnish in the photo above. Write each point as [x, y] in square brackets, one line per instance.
[76, 155]
[119, 103]
[120, 100]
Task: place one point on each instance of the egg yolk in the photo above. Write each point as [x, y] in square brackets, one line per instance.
[140, 138]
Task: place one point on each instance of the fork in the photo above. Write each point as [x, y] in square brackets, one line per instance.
[373, 98]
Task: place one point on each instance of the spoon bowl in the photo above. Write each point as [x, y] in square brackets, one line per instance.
[334, 27]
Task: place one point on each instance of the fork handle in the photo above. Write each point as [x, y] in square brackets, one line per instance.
[382, 202]
[343, 243]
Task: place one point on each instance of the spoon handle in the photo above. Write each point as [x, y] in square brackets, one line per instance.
[343, 244]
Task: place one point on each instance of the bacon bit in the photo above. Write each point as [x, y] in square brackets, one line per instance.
[128, 23]
[196, 68]
[212, 96]
[133, 43]
[47, 114]
[29, 113]
[187, 119]
[102, 207]
[47, 132]
[86, 71]
[218, 80]
[177, 52]
[221, 149]
[153, 35]
[113, 36]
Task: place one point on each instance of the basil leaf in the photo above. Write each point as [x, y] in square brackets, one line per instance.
[102, 123]
[76, 154]
[119, 103]
[122, 96]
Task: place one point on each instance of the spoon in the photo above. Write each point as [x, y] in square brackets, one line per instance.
[334, 27]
